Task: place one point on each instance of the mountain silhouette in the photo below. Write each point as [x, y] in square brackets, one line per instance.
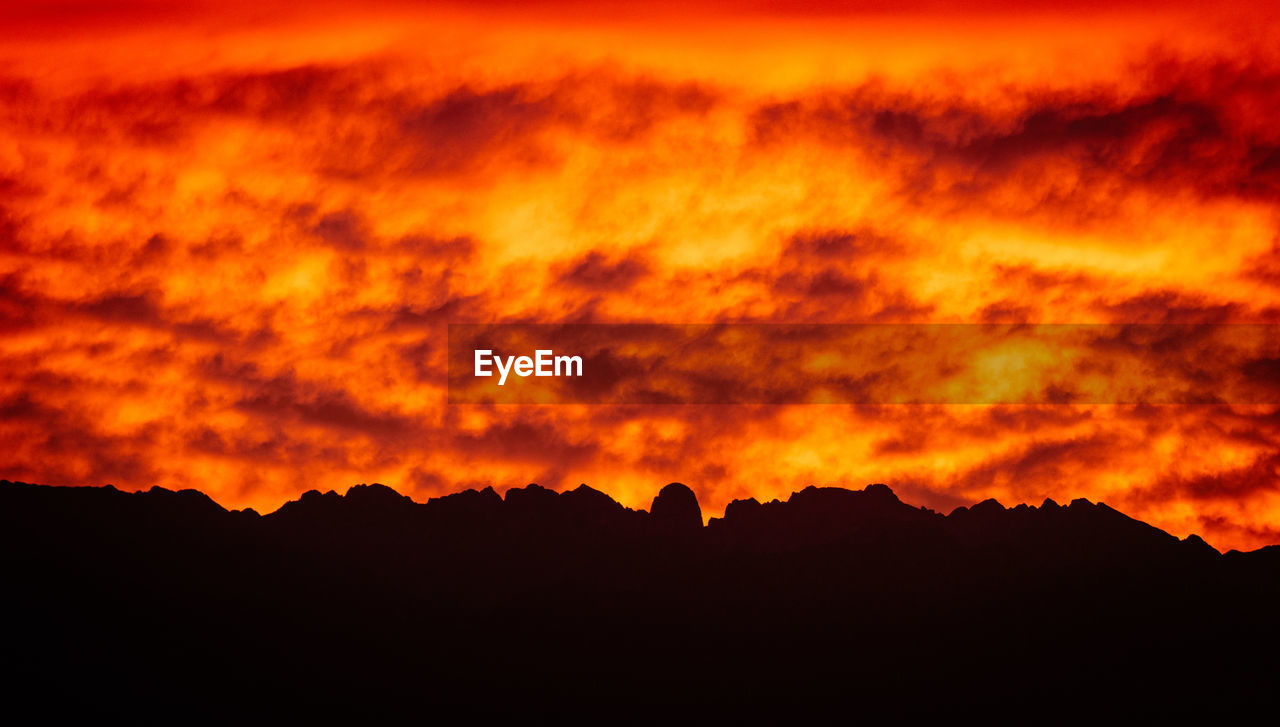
[833, 604]
[676, 509]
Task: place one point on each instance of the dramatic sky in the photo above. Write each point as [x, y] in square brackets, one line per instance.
[232, 237]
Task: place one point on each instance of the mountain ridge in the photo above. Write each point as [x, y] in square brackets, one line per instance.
[879, 498]
[543, 603]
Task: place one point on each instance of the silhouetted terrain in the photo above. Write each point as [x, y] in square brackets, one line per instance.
[836, 603]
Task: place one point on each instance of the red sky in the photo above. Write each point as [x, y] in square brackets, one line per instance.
[232, 237]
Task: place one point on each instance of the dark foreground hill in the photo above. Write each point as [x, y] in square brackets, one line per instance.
[836, 604]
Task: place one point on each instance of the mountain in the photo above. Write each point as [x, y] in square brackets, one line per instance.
[539, 604]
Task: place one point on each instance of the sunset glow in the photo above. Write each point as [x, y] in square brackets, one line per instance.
[232, 238]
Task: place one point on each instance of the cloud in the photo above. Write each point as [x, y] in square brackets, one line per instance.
[1179, 133]
[235, 270]
[594, 272]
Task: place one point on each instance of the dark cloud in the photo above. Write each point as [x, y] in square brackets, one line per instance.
[286, 397]
[1007, 311]
[1224, 529]
[1235, 484]
[822, 284]
[1195, 126]
[18, 308]
[839, 246]
[529, 439]
[145, 310]
[1050, 466]
[595, 272]
[345, 230]
[833, 276]
[449, 134]
[64, 444]
[1175, 307]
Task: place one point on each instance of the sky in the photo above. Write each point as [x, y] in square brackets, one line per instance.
[233, 236]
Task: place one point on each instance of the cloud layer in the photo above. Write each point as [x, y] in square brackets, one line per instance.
[236, 271]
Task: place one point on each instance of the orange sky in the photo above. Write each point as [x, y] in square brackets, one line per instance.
[232, 237]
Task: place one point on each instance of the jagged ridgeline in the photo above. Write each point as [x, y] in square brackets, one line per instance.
[540, 602]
